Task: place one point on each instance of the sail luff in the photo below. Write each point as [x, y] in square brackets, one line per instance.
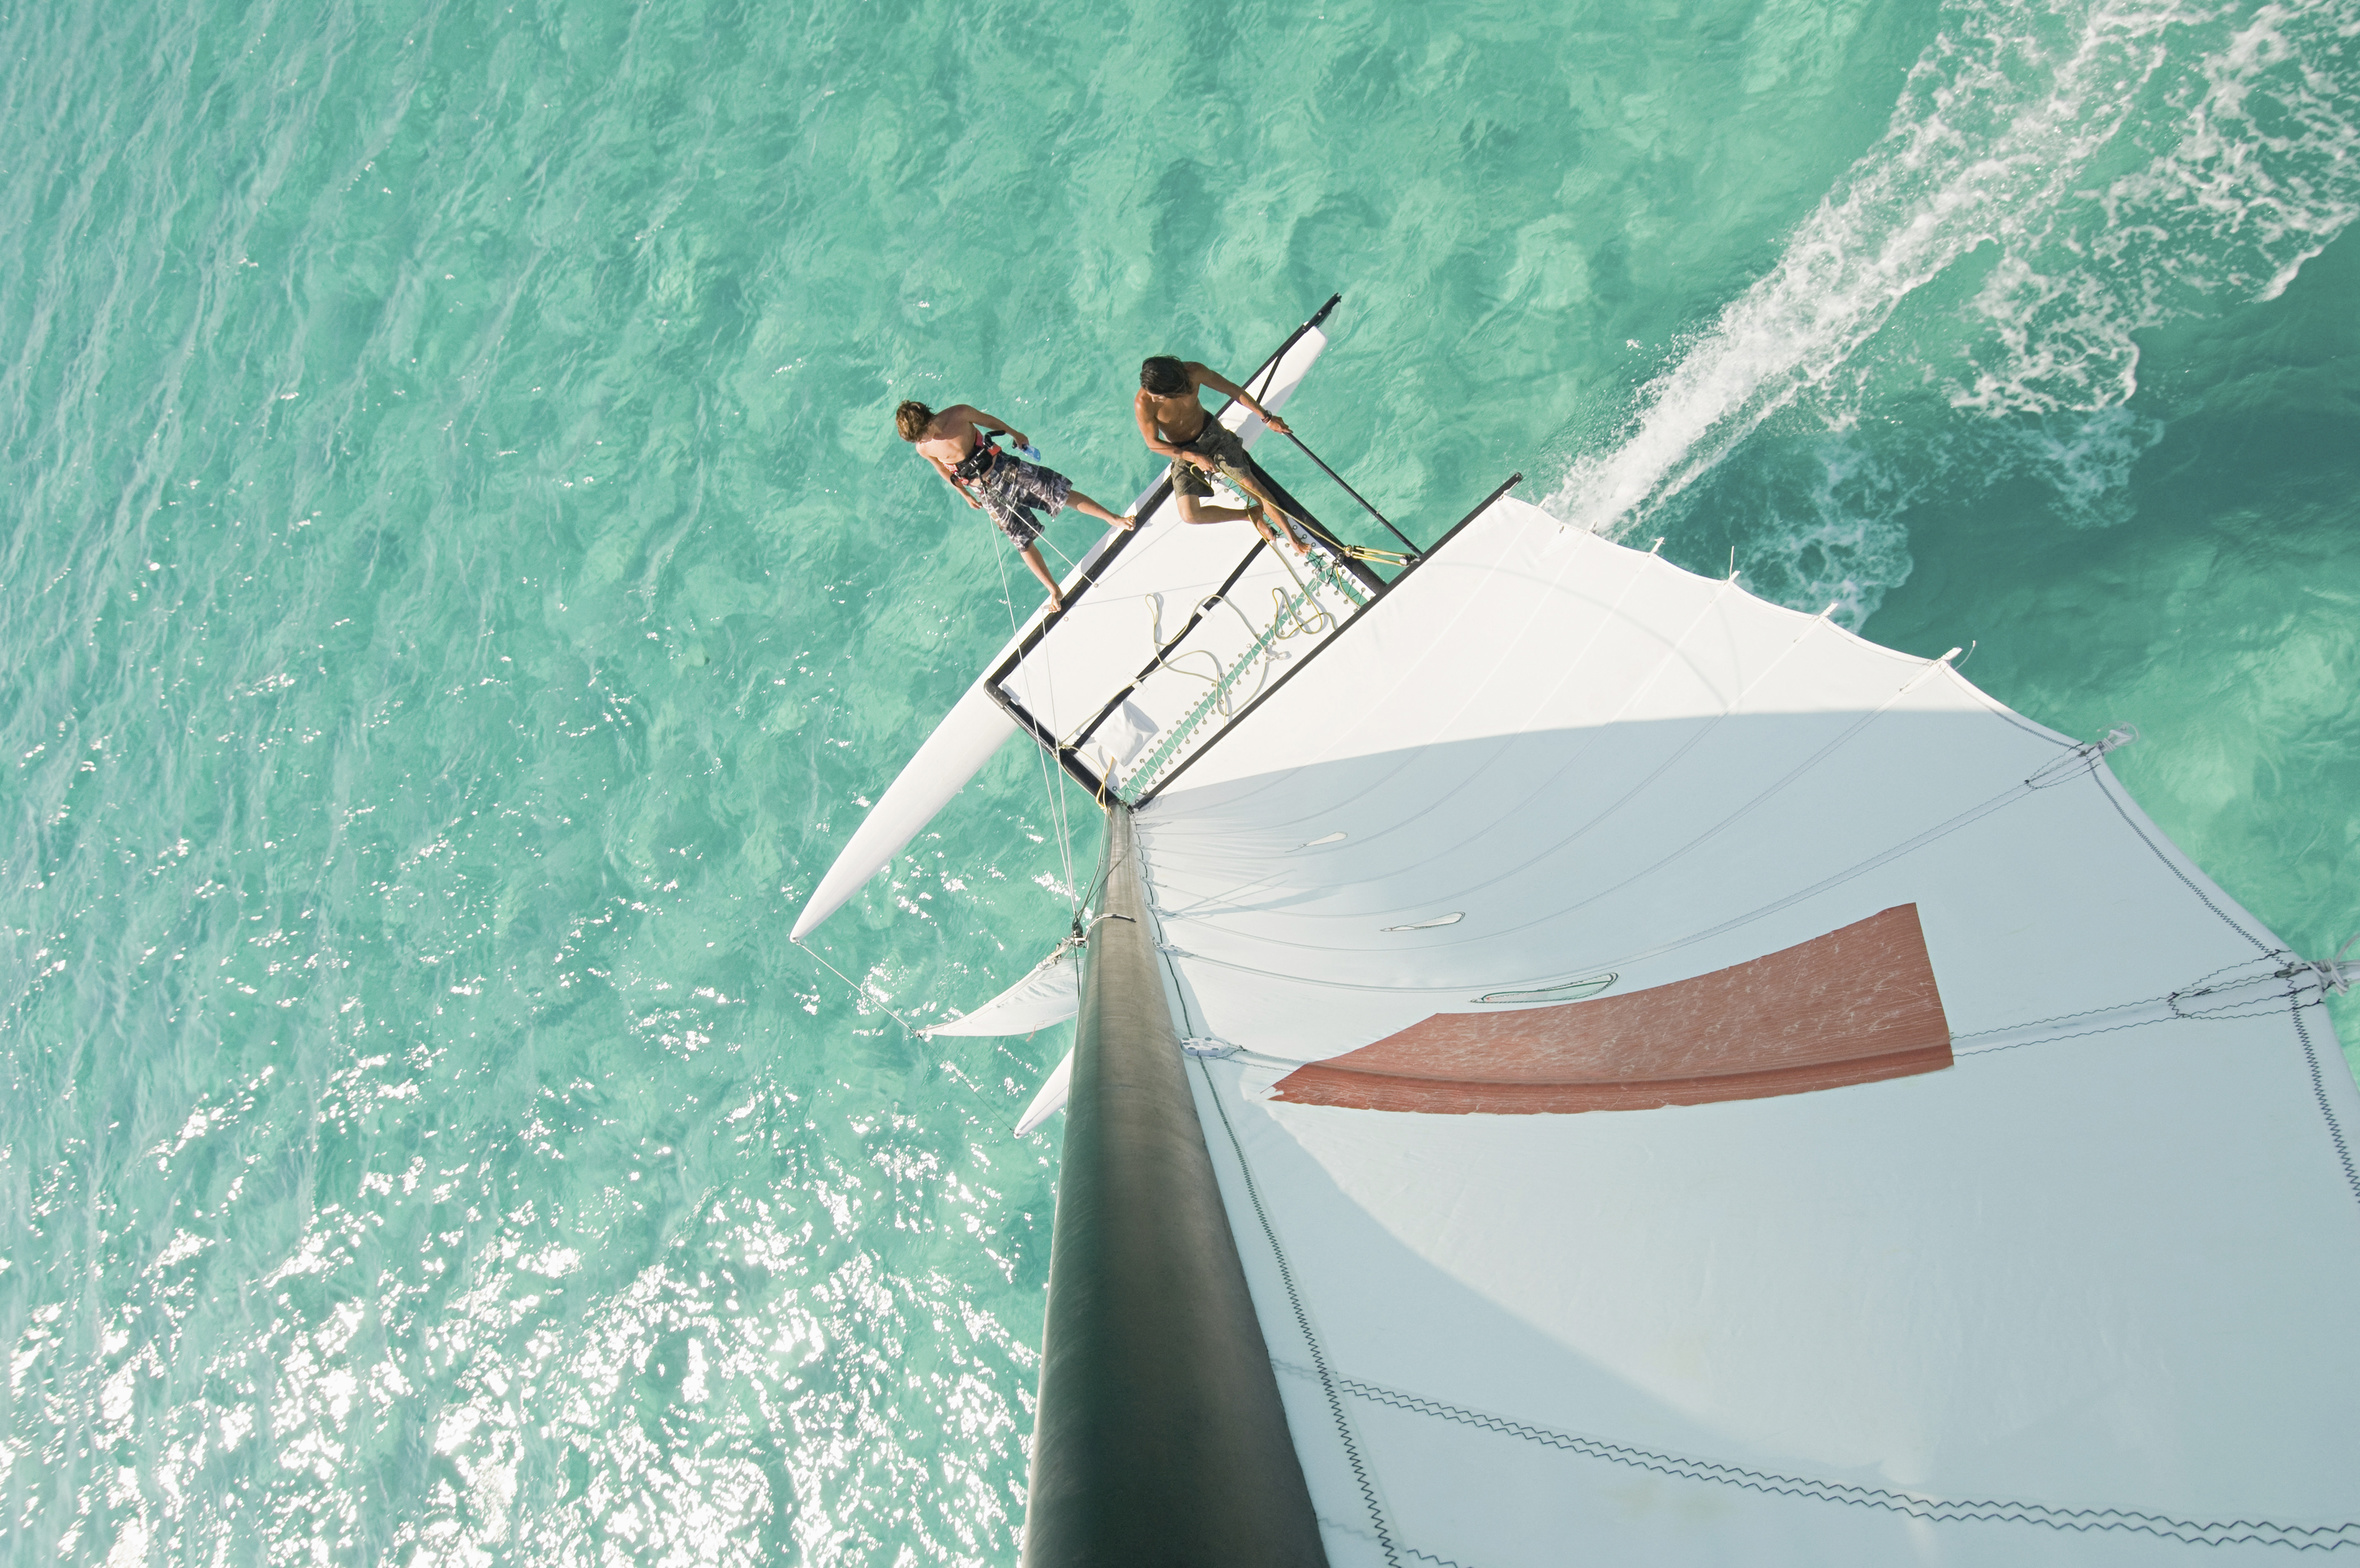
[1160, 1436]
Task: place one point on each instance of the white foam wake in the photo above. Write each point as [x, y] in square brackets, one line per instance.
[2235, 126]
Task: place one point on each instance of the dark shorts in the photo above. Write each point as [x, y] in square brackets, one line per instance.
[1014, 489]
[1216, 441]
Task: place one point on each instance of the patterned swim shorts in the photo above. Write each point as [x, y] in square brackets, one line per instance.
[1013, 489]
[1216, 441]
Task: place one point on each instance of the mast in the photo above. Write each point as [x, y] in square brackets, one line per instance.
[1160, 1438]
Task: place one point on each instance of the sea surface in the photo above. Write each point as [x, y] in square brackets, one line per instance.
[462, 585]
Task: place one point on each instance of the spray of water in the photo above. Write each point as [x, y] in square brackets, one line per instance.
[2120, 187]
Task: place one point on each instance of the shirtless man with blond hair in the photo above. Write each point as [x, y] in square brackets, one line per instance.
[1176, 424]
[1007, 487]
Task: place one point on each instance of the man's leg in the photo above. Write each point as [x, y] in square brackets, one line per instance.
[1194, 510]
[1082, 503]
[1262, 502]
[1040, 569]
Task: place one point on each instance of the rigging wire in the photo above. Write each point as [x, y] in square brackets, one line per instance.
[2339, 974]
[1059, 821]
[875, 998]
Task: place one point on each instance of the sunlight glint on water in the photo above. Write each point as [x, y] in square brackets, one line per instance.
[464, 587]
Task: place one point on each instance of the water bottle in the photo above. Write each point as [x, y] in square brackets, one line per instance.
[1029, 452]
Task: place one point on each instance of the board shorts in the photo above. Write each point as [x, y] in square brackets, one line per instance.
[1014, 489]
[1216, 441]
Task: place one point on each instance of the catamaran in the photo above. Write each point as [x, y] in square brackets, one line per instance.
[1576, 1062]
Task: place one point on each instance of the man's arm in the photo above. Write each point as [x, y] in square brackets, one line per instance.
[1206, 376]
[976, 416]
[948, 477]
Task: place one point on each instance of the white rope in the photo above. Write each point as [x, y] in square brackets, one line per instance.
[1322, 618]
[1309, 614]
[1155, 640]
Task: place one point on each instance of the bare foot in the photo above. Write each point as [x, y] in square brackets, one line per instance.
[1283, 528]
[1127, 522]
[1056, 605]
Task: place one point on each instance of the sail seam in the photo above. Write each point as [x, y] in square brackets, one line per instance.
[1328, 1522]
[2081, 1520]
[2262, 1007]
[1911, 846]
[1861, 868]
[2335, 1131]
[2202, 985]
[1327, 1381]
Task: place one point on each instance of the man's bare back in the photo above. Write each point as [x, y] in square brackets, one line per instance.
[951, 435]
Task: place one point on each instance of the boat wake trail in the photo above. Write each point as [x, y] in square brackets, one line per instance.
[2130, 160]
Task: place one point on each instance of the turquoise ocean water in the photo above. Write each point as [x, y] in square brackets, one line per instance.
[461, 585]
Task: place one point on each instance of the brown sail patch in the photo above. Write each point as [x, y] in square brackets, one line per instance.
[1853, 1006]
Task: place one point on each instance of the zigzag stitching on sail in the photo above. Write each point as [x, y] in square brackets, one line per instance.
[1341, 1528]
[2335, 1131]
[2010, 714]
[1327, 1385]
[2081, 1520]
[1445, 1562]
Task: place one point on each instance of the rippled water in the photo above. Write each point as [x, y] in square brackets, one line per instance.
[462, 585]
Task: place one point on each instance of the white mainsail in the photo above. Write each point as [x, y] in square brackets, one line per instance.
[1690, 1086]
[2058, 1269]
